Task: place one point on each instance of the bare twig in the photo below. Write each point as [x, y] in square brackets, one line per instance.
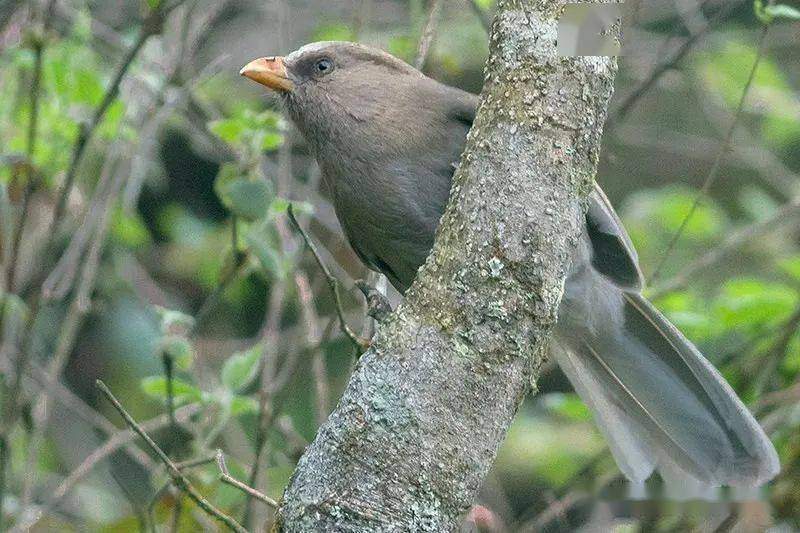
[178, 508]
[773, 358]
[428, 32]
[226, 478]
[333, 284]
[267, 387]
[714, 172]
[151, 26]
[628, 102]
[87, 131]
[784, 216]
[114, 443]
[194, 463]
[313, 335]
[180, 481]
[5, 454]
[30, 185]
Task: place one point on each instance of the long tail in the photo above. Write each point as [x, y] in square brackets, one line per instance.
[656, 399]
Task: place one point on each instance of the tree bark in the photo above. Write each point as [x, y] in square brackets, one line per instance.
[428, 405]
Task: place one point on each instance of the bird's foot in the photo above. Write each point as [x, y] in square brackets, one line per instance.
[378, 306]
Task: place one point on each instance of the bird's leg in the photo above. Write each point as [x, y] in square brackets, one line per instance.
[361, 344]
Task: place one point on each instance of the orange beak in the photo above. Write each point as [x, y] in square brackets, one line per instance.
[269, 72]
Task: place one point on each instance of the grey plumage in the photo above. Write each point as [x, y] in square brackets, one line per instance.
[387, 139]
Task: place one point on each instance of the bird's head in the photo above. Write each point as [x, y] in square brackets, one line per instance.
[334, 88]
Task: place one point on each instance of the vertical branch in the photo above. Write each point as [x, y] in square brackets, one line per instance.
[30, 183]
[313, 336]
[266, 411]
[4, 461]
[428, 32]
[420, 422]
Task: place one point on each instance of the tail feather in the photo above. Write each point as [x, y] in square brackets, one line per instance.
[656, 398]
[635, 457]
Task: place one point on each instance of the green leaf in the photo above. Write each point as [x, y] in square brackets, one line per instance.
[179, 349]
[768, 13]
[244, 197]
[129, 229]
[174, 322]
[569, 406]
[402, 46]
[720, 71]
[243, 405]
[12, 308]
[153, 4]
[281, 205]
[751, 304]
[229, 130]
[689, 312]
[334, 32]
[248, 130]
[268, 255]
[791, 266]
[241, 368]
[760, 12]
[783, 11]
[271, 141]
[156, 387]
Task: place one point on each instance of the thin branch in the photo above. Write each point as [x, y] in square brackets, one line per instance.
[183, 465]
[5, 458]
[181, 481]
[784, 216]
[267, 388]
[213, 299]
[313, 335]
[151, 26]
[714, 172]
[428, 32]
[769, 366]
[662, 68]
[87, 131]
[333, 284]
[30, 185]
[114, 443]
[226, 478]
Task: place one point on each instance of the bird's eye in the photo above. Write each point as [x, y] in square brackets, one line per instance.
[323, 66]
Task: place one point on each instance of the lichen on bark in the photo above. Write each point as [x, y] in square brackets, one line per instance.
[428, 405]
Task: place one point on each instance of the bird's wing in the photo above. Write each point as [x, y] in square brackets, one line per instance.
[613, 254]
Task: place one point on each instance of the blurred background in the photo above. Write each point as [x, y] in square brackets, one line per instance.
[144, 241]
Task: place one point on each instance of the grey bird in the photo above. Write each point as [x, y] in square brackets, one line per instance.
[387, 139]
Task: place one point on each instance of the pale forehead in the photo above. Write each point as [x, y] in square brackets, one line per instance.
[356, 51]
[310, 48]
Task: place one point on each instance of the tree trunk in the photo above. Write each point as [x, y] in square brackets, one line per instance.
[425, 411]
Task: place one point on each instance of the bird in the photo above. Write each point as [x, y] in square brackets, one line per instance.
[388, 139]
